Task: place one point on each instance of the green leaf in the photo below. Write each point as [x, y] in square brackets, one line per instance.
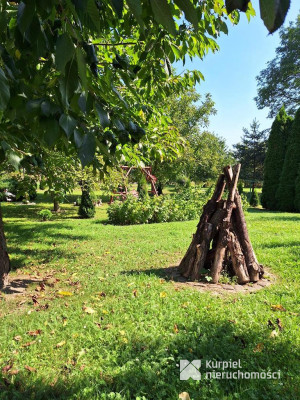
[93, 13]
[4, 91]
[68, 124]
[241, 5]
[118, 7]
[135, 7]
[273, 13]
[64, 51]
[25, 15]
[51, 132]
[189, 11]
[78, 138]
[163, 15]
[87, 149]
[69, 83]
[81, 68]
[102, 115]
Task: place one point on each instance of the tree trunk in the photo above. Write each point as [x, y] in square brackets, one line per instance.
[56, 206]
[4, 259]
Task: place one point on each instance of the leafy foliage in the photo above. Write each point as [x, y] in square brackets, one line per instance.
[23, 187]
[251, 152]
[286, 189]
[45, 215]
[272, 12]
[276, 149]
[279, 83]
[185, 205]
[89, 73]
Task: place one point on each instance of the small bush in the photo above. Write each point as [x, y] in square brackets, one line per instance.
[183, 181]
[240, 187]
[254, 199]
[45, 215]
[185, 205]
[23, 187]
[86, 207]
[245, 202]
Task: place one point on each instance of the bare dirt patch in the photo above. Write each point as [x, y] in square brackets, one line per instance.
[173, 274]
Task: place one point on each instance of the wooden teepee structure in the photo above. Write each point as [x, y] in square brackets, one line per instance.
[222, 240]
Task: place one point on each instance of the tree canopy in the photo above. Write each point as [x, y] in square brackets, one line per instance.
[90, 73]
[279, 83]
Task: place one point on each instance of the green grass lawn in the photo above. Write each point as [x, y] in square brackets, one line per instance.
[124, 329]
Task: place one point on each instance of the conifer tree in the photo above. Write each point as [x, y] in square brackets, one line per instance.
[287, 185]
[276, 148]
[297, 191]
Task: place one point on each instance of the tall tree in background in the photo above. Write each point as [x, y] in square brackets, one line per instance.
[204, 152]
[279, 83]
[276, 149]
[251, 151]
[287, 186]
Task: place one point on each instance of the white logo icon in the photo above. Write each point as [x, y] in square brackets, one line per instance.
[190, 370]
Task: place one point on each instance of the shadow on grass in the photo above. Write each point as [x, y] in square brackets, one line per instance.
[149, 369]
[21, 239]
[276, 215]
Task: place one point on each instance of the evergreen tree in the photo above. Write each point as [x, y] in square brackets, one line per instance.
[254, 199]
[251, 152]
[297, 191]
[276, 148]
[286, 190]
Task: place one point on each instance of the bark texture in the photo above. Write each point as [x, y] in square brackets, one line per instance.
[222, 240]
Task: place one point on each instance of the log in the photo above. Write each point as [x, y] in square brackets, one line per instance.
[238, 259]
[240, 226]
[224, 231]
[222, 239]
[186, 265]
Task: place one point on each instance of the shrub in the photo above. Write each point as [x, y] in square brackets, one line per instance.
[183, 181]
[45, 215]
[240, 187]
[86, 207]
[23, 187]
[245, 202]
[254, 199]
[185, 205]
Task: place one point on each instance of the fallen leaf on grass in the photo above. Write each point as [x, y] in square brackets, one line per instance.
[60, 344]
[102, 294]
[13, 372]
[30, 369]
[279, 324]
[22, 302]
[277, 307]
[34, 300]
[273, 334]
[108, 326]
[258, 348]
[270, 324]
[88, 310]
[176, 330]
[64, 293]
[134, 292]
[28, 344]
[18, 338]
[232, 321]
[184, 396]
[34, 333]
[6, 368]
